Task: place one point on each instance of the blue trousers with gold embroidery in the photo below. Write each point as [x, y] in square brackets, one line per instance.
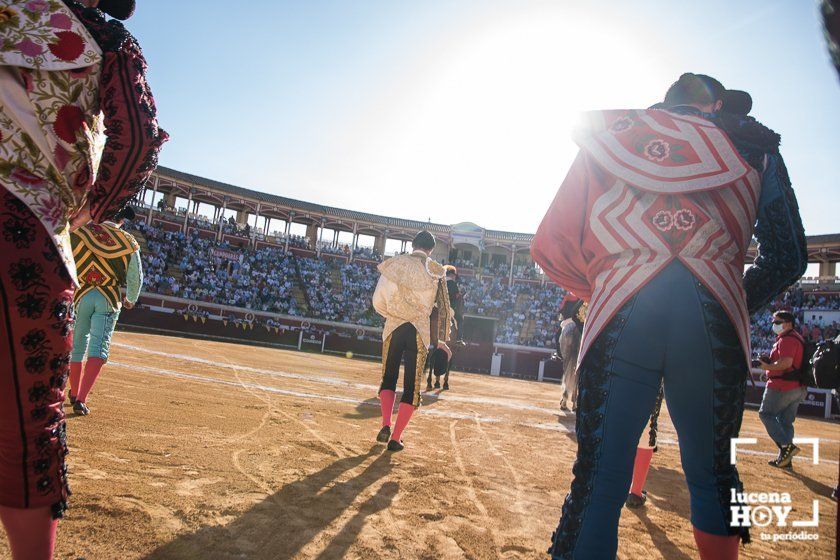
[672, 329]
[95, 322]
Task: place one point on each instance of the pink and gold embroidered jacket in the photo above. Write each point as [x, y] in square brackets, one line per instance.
[646, 188]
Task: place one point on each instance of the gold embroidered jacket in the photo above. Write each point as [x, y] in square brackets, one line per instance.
[102, 252]
[408, 289]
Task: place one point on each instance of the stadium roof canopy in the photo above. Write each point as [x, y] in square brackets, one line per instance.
[217, 193]
[824, 248]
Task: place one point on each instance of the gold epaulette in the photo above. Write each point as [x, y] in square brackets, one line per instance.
[581, 314]
[435, 269]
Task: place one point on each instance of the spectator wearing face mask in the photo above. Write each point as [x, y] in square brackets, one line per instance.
[782, 395]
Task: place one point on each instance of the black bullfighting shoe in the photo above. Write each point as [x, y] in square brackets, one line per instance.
[395, 445]
[384, 434]
[81, 408]
[446, 386]
[634, 501]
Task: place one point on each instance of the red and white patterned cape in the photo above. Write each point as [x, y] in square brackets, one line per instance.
[646, 188]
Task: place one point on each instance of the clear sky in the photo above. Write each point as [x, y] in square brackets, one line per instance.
[460, 110]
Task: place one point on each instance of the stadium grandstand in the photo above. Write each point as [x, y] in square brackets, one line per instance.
[227, 262]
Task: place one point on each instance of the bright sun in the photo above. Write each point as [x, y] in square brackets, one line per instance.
[491, 112]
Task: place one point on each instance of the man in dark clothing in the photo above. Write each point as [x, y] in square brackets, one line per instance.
[440, 362]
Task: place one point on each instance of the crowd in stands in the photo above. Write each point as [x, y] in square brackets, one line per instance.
[269, 279]
[502, 270]
[298, 241]
[527, 312]
[340, 249]
[162, 248]
[368, 253]
[797, 301]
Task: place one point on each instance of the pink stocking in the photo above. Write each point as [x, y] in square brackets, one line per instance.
[640, 469]
[92, 369]
[31, 532]
[403, 416]
[386, 402]
[75, 378]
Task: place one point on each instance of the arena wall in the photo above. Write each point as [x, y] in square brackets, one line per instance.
[194, 319]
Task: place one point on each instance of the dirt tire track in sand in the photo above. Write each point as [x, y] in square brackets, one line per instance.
[339, 453]
[517, 479]
[459, 459]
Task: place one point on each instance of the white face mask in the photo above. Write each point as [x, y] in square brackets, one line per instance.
[778, 329]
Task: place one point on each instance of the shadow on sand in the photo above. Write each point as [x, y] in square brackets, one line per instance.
[666, 546]
[816, 487]
[282, 524]
[369, 408]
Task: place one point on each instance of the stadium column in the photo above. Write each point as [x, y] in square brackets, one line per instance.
[187, 213]
[253, 240]
[512, 258]
[355, 241]
[379, 243]
[312, 235]
[320, 239]
[152, 203]
[222, 218]
[828, 269]
[288, 231]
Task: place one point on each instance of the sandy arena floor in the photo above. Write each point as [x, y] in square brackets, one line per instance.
[217, 451]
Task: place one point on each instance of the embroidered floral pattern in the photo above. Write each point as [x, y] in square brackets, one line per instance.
[41, 333]
[25, 273]
[682, 219]
[657, 150]
[30, 47]
[37, 6]
[93, 276]
[66, 107]
[69, 46]
[41, 26]
[101, 235]
[19, 231]
[8, 17]
[30, 306]
[68, 122]
[621, 124]
[61, 21]
[663, 220]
